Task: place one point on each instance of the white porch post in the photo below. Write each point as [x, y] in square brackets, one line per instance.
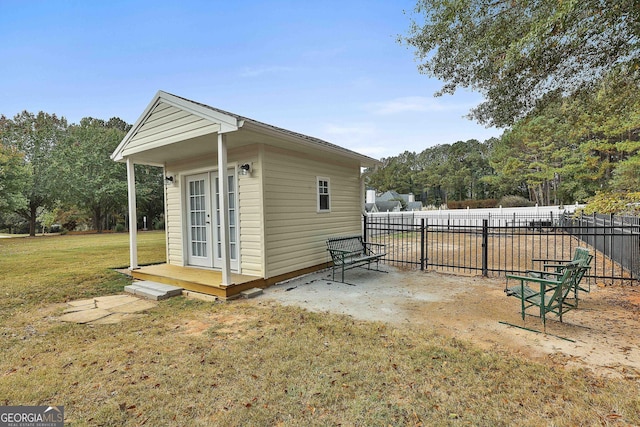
[223, 202]
[133, 227]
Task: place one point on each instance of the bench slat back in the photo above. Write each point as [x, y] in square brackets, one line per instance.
[352, 245]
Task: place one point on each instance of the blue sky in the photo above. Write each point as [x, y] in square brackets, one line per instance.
[329, 69]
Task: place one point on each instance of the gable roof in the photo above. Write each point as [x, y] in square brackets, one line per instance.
[388, 196]
[388, 206]
[370, 207]
[196, 120]
[414, 206]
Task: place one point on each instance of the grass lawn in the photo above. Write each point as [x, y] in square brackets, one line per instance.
[257, 363]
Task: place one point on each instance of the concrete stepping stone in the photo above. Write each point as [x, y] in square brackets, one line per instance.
[106, 310]
[116, 318]
[133, 306]
[75, 308]
[114, 301]
[81, 302]
[251, 293]
[85, 316]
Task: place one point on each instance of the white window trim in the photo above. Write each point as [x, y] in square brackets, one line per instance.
[318, 179]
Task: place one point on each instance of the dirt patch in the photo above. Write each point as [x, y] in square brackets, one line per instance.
[221, 323]
[601, 335]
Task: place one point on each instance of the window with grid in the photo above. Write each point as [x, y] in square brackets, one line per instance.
[324, 200]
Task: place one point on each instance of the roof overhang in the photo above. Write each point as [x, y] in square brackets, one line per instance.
[173, 128]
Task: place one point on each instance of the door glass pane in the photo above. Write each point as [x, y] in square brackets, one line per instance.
[231, 197]
[198, 218]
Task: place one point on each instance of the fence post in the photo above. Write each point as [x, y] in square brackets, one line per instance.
[366, 228]
[422, 243]
[485, 247]
[612, 248]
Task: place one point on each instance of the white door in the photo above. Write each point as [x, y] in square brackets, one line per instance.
[233, 221]
[202, 193]
[199, 220]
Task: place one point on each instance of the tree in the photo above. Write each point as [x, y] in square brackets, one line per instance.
[395, 174]
[466, 164]
[14, 176]
[92, 182]
[520, 54]
[607, 124]
[97, 185]
[431, 176]
[36, 137]
[150, 193]
[573, 147]
[438, 174]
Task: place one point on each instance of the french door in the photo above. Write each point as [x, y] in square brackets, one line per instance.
[203, 220]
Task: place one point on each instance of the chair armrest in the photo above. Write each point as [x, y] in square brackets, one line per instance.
[559, 265]
[532, 279]
[556, 261]
[541, 272]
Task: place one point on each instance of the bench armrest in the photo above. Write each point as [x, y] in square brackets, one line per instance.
[374, 244]
[369, 250]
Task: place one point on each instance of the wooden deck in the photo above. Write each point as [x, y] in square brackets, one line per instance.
[199, 280]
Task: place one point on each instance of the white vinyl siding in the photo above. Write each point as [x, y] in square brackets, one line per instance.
[295, 234]
[251, 224]
[166, 125]
[173, 224]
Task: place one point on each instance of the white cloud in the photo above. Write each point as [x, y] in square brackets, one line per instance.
[414, 104]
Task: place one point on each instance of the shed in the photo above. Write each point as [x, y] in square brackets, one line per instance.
[247, 204]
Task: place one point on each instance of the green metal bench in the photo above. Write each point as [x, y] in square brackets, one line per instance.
[352, 251]
[550, 293]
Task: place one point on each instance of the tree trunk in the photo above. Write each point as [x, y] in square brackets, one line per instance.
[33, 210]
[97, 220]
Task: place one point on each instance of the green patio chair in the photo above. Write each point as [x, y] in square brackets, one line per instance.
[547, 293]
[553, 267]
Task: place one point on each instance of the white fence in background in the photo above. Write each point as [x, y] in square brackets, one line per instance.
[546, 215]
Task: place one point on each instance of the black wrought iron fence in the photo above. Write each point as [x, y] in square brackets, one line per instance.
[617, 237]
[496, 245]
